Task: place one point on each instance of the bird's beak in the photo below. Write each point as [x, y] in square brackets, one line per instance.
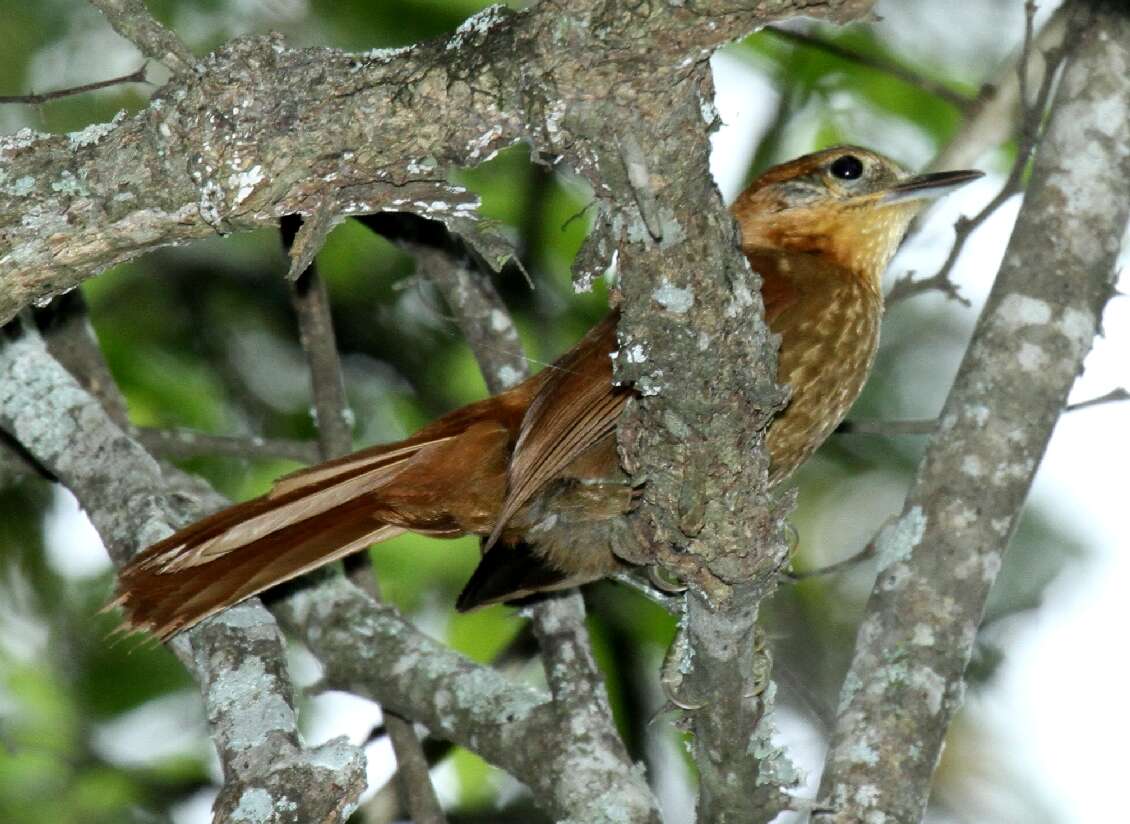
[930, 186]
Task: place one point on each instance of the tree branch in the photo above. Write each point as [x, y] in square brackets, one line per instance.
[189, 443]
[44, 97]
[703, 365]
[939, 560]
[926, 426]
[335, 437]
[1119, 393]
[237, 144]
[238, 657]
[132, 20]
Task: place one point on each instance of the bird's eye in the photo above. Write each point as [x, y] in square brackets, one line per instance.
[846, 167]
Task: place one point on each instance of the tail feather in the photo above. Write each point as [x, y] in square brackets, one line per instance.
[308, 519]
[447, 479]
[166, 602]
[236, 526]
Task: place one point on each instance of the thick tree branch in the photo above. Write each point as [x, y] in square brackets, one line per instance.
[237, 143]
[237, 658]
[939, 560]
[694, 345]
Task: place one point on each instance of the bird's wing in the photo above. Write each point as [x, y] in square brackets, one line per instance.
[576, 408]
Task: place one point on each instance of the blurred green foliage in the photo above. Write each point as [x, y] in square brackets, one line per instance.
[203, 337]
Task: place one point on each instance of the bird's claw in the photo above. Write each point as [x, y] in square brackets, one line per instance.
[672, 586]
[676, 665]
[762, 668]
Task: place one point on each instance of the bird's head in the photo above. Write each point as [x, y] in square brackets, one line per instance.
[847, 204]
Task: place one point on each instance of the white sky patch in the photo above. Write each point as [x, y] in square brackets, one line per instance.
[157, 730]
[332, 714]
[745, 100]
[74, 549]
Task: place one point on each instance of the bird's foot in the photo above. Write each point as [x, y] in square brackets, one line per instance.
[663, 580]
[676, 666]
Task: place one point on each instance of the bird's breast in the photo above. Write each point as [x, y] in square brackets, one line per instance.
[829, 335]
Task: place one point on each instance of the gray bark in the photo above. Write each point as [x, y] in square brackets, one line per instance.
[939, 560]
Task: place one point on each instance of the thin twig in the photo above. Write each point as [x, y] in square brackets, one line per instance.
[1117, 394]
[335, 437]
[960, 101]
[907, 287]
[878, 426]
[1029, 133]
[864, 554]
[475, 306]
[70, 339]
[133, 77]
[992, 121]
[926, 426]
[315, 326]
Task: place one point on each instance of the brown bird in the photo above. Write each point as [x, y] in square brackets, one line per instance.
[534, 470]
